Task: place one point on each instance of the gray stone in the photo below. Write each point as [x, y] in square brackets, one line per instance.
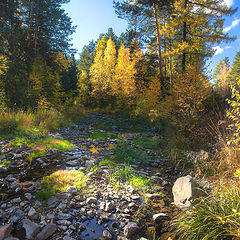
[73, 163]
[63, 216]
[131, 230]
[184, 190]
[68, 238]
[71, 189]
[64, 222]
[5, 231]
[32, 214]
[17, 216]
[160, 217]
[32, 229]
[91, 200]
[109, 207]
[47, 231]
[107, 235]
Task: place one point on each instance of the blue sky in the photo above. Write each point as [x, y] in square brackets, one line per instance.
[93, 17]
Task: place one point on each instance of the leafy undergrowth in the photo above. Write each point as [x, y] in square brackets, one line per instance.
[40, 146]
[214, 217]
[60, 180]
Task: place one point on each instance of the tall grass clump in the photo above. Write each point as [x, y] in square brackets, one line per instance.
[214, 217]
[28, 122]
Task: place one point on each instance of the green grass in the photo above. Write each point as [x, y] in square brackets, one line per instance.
[147, 142]
[103, 135]
[44, 143]
[107, 162]
[60, 180]
[214, 217]
[125, 154]
[40, 146]
[25, 123]
[128, 175]
[5, 163]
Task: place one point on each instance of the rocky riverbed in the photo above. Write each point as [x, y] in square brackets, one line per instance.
[105, 209]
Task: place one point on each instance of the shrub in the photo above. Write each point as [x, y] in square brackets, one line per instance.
[49, 120]
[214, 217]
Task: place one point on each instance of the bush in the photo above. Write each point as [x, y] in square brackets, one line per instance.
[214, 217]
[48, 120]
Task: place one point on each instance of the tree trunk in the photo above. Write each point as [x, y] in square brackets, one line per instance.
[159, 48]
[184, 40]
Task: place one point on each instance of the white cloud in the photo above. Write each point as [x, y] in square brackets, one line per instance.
[229, 3]
[234, 24]
[218, 50]
[228, 47]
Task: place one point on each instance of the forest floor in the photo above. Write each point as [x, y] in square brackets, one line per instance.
[91, 180]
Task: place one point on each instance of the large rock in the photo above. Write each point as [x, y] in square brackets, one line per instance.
[107, 235]
[32, 229]
[5, 231]
[131, 230]
[47, 231]
[184, 190]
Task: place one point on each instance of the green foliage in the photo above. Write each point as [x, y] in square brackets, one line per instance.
[103, 135]
[125, 154]
[214, 217]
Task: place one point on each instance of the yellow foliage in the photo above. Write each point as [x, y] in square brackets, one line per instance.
[233, 114]
[124, 81]
[190, 90]
[222, 85]
[3, 65]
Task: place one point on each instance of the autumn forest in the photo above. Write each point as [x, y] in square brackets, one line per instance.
[140, 109]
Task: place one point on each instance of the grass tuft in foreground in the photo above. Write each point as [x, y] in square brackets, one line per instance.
[60, 180]
[214, 217]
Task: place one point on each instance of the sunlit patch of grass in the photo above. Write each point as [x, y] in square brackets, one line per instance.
[40, 146]
[36, 154]
[125, 154]
[128, 175]
[214, 217]
[108, 162]
[147, 142]
[62, 179]
[103, 135]
[43, 143]
[5, 163]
